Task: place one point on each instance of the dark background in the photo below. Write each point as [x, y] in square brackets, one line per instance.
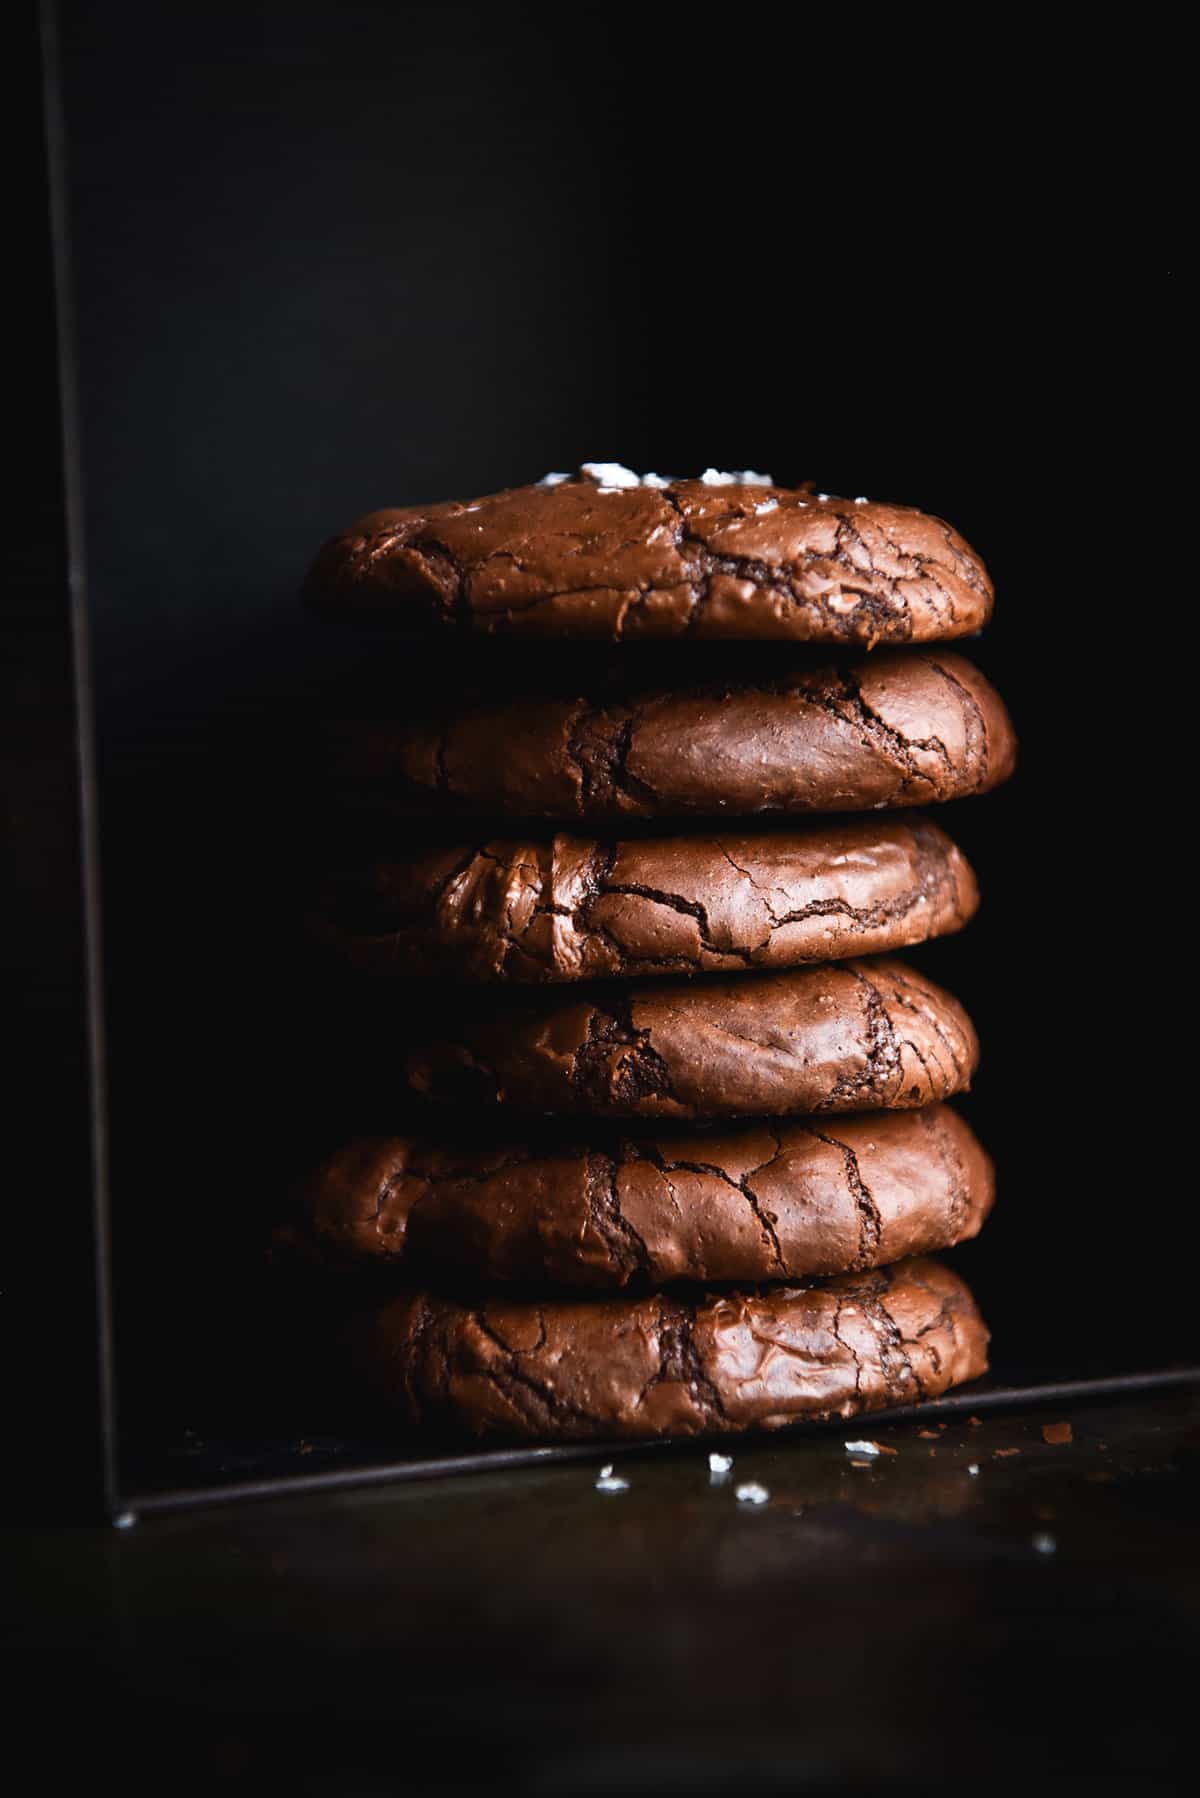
[330, 258]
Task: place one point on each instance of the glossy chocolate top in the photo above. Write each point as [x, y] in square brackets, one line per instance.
[730, 559]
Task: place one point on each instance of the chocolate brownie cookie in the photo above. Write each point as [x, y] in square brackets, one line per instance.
[570, 909]
[662, 1366]
[605, 555]
[905, 727]
[842, 1036]
[767, 1202]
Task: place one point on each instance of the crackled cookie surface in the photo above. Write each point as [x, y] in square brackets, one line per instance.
[665, 1366]
[778, 1201]
[604, 555]
[842, 1036]
[574, 909]
[899, 728]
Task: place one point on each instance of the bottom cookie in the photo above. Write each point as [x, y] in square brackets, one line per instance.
[668, 1366]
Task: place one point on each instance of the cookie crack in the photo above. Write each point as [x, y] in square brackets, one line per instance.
[680, 1361]
[624, 1242]
[870, 1223]
[554, 1405]
[764, 1218]
[883, 1068]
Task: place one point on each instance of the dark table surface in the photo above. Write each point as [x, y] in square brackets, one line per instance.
[980, 1606]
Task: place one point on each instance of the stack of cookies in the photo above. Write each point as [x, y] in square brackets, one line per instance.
[687, 1147]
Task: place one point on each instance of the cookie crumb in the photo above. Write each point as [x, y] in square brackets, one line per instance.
[1056, 1433]
[1002, 1454]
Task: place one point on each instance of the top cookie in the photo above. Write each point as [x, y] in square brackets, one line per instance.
[604, 555]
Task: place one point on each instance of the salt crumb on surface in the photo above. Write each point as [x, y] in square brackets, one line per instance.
[743, 477]
[124, 1520]
[614, 477]
[607, 1481]
[1044, 1543]
[610, 474]
[720, 1463]
[973, 1469]
[824, 496]
[1056, 1433]
[751, 1494]
[860, 499]
[869, 1448]
[766, 505]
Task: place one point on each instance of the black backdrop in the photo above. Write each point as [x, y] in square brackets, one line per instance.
[332, 257]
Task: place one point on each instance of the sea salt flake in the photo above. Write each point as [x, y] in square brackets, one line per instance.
[751, 1494]
[973, 1469]
[607, 1481]
[860, 499]
[766, 505]
[824, 496]
[1044, 1544]
[862, 1448]
[743, 477]
[611, 475]
[720, 1463]
[553, 480]
[656, 480]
